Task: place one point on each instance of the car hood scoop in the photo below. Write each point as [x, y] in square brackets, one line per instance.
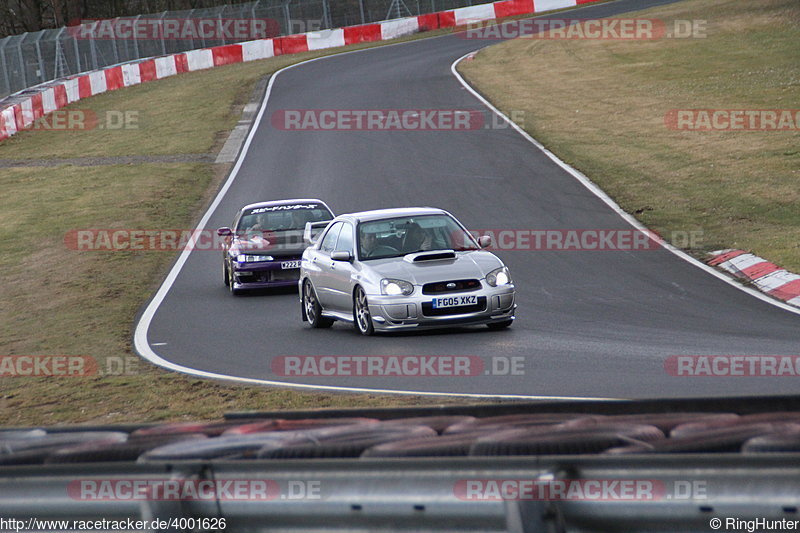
[436, 255]
[435, 266]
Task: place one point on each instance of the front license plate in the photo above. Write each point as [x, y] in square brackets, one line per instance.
[454, 301]
[290, 264]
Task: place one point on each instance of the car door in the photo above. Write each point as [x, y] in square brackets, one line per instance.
[340, 273]
[319, 269]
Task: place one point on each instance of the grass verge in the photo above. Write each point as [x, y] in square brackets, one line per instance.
[600, 105]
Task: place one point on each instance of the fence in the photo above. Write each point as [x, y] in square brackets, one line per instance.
[37, 57]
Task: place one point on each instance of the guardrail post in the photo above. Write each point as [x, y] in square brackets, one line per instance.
[161, 30]
[39, 56]
[57, 52]
[92, 48]
[191, 18]
[219, 25]
[136, 38]
[326, 14]
[23, 69]
[6, 74]
[253, 16]
[288, 18]
[114, 42]
[77, 53]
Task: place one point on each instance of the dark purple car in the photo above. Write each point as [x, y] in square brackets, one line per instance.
[266, 244]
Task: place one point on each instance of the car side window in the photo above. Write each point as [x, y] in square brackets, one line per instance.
[329, 241]
[345, 243]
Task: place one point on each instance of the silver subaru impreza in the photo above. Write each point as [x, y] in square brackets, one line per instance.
[395, 269]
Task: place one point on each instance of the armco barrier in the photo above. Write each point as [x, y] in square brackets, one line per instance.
[20, 110]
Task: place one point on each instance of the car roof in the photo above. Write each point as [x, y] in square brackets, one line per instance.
[378, 214]
[272, 203]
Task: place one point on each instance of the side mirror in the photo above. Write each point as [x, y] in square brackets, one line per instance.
[485, 241]
[224, 232]
[341, 255]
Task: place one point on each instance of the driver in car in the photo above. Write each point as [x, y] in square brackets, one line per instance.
[416, 239]
[259, 225]
[369, 241]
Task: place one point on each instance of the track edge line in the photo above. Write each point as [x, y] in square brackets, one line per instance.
[597, 191]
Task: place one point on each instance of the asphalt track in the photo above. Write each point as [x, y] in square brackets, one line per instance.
[589, 324]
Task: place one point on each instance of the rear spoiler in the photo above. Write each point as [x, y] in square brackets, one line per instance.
[312, 231]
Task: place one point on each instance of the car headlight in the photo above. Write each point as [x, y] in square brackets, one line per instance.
[248, 258]
[499, 276]
[396, 287]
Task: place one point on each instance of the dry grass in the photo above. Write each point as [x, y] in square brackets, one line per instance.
[600, 106]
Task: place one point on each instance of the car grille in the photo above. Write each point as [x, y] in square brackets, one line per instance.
[291, 274]
[428, 309]
[461, 285]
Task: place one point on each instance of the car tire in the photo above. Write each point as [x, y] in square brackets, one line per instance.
[495, 326]
[312, 309]
[361, 317]
[225, 274]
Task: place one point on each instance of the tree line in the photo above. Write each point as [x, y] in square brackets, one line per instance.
[20, 16]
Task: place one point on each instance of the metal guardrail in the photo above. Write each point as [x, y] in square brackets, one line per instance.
[419, 495]
[37, 57]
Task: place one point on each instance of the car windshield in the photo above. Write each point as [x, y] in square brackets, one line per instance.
[395, 237]
[281, 218]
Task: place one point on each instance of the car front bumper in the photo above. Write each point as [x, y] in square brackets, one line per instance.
[264, 274]
[414, 312]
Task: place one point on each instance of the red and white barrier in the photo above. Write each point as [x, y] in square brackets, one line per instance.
[319, 40]
[767, 277]
[27, 107]
[478, 13]
[8, 122]
[549, 5]
[165, 67]
[392, 29]
[49, 100]
[131, 75]
[199, 59]
[97, 82]
[253, 50]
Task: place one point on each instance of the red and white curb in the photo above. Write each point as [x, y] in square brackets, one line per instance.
[767, 277]
[22, 109]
